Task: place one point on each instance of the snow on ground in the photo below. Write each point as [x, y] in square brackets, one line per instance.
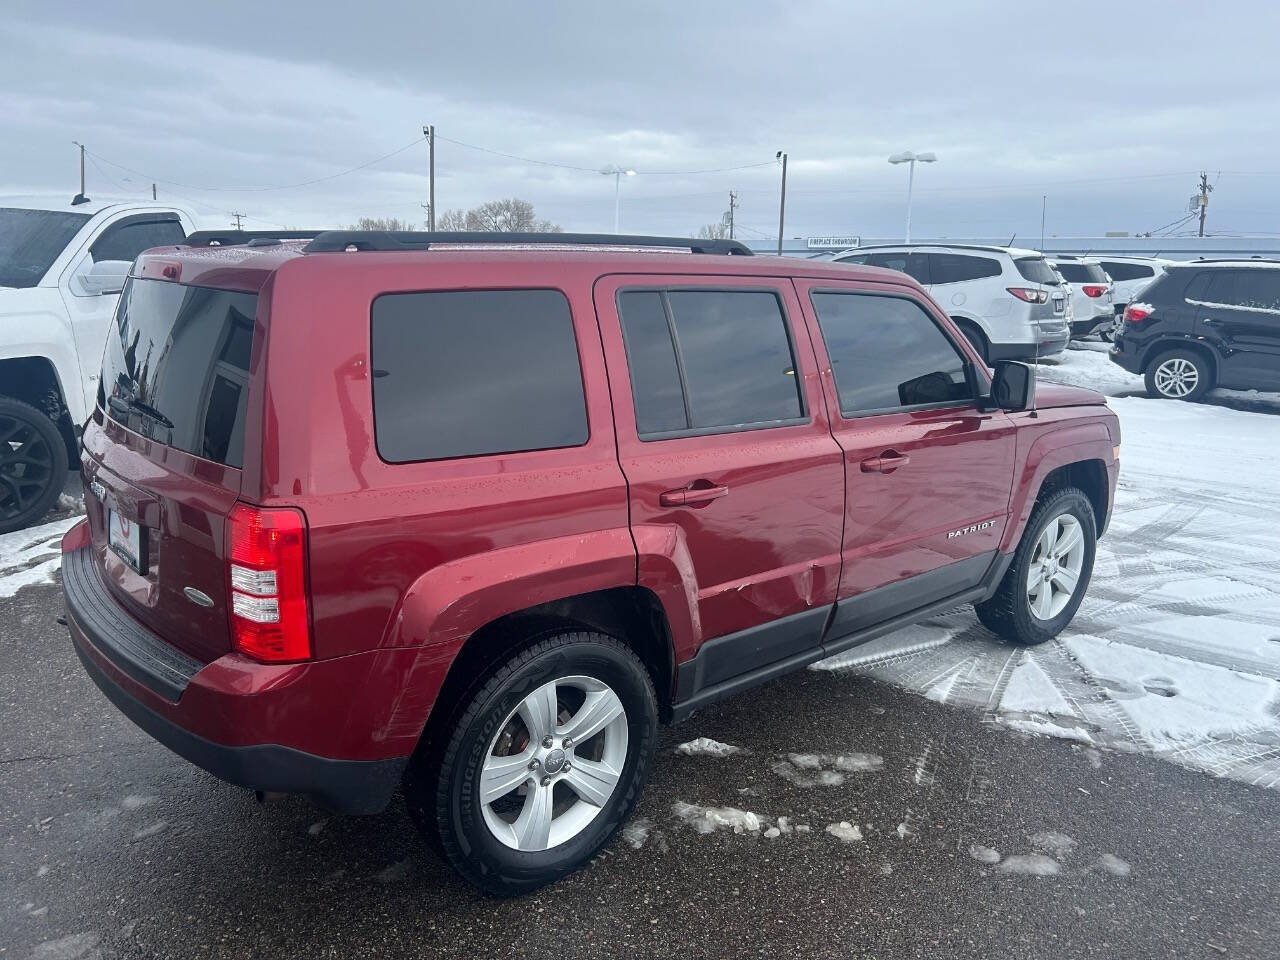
[31, 555]
[1176, 649]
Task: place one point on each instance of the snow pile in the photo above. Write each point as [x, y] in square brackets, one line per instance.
[706, 747]
[825, 769]
[844, 831]
[711, 819]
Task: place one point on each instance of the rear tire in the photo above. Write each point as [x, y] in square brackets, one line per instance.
[33, 464]
[502, 794]
[1179, 375]
[1032, 605]
[977, 338]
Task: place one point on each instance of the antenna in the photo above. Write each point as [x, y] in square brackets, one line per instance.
[1011, 239]
[1035, 377]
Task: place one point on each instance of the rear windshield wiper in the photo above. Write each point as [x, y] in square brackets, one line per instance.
[126, 405]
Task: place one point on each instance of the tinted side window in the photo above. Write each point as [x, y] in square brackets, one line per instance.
[1127, 271]
[891, 261]
[466, 373]
[702, 359]
[126, 240]
[736, 355]
[956, 268]
[656, 392]
[1250, 289]
[1037, 270]
[886, 352]
[1080, 272]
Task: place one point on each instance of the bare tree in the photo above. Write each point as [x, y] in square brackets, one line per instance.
[714, 231]
[382, 223]
[452, 221]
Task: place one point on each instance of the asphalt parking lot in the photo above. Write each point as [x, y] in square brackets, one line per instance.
[114, 847]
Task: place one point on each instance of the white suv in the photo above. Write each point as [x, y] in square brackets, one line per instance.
[1010, 303]
[1090, 296]
[61, 270]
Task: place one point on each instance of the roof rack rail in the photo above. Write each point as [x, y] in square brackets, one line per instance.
[338, 240]
[240, 238]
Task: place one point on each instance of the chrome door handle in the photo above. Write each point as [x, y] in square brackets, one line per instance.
[691, 496]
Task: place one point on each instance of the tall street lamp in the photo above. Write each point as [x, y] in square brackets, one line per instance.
[617, 173]
[911, 158]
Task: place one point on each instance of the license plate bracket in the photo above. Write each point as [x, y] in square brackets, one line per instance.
[127, 540]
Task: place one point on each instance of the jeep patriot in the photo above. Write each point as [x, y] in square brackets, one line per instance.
[470, 515]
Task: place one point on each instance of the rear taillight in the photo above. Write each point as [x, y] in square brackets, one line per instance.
[266, 550]
[1029, 294]
[1136, 313]
[1094, 289]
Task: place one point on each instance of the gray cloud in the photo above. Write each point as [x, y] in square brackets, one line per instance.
[1109, 109]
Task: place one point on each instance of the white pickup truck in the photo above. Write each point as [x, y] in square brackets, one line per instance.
[62, 267]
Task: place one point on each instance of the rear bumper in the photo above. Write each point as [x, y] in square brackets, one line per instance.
[1083, 328]
[1128, 359]
[195, 709]
[1047, 347]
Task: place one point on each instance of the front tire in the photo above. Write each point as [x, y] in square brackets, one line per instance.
[541, 764]
[1047, 579]
[1179, 375]
[33, 464]
[977, 338]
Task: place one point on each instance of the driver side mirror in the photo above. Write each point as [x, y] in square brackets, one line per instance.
[1012, 386]
[105, 276]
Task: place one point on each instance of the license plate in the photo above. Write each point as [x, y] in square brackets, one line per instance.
[125, 539]
[1059, 304]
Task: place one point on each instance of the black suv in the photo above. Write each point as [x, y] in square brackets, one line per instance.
[1205, 324]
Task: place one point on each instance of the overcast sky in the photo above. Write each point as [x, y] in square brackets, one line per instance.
[1111, 109]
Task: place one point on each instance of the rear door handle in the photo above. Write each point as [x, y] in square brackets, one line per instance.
[885, 463]
[1211, 322]
[691, 496]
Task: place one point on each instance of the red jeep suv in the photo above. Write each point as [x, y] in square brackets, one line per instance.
[473, 513]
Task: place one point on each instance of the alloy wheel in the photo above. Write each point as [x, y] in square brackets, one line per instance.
[1055, 568]
[26, 466]
[1177, 377]
[554, 763]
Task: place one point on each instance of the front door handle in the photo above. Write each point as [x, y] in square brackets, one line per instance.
[691, 496]
[887, 462]
[1211, 322]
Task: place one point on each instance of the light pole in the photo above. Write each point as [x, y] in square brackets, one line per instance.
[911, 158]
[617, 173]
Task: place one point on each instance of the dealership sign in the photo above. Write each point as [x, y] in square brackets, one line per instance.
[833, 243]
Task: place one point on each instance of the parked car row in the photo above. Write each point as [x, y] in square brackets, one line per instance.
[378, 510]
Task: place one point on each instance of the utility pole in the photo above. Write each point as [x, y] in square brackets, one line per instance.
[782, 200]
[153, 191]
[1205, 190]
[429, 132]
[733, 202]
[80, 197]
[239, 217]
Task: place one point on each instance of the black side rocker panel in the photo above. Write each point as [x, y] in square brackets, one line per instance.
[708, 677]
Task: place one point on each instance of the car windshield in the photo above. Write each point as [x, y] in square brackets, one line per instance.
[30, 240]
[1037, 270]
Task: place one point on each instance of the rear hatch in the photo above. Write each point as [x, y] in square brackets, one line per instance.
[163, 456]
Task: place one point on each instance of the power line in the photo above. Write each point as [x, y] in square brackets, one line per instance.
[285, 186]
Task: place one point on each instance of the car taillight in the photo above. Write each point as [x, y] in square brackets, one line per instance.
[1094, 289]
[1136, 313]
[1029, 294]
[266, 550]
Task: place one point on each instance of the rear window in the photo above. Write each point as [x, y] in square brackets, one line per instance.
[176, 366]
[30, 240]
[1081, 272]
[474, 372]
[1037, 270]
[1128, 271]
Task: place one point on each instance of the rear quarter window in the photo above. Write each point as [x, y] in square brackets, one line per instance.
[473, 372]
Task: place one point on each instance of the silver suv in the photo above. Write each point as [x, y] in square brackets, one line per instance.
[1010, 303]
[1090, 296]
